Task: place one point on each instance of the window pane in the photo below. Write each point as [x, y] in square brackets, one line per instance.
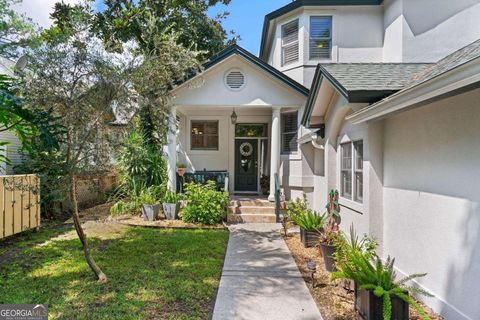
[290, 42]
[358, 155]
[251, 130]
[346, 184]
[346, 156]
[359, 186]
[320, 37]
[204, 135]
[289, 125]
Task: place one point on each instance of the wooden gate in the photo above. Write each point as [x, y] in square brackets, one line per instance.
[19, 204]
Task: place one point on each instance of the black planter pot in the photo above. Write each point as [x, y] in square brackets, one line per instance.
[309, 238]
[328, 251]
[370, 307]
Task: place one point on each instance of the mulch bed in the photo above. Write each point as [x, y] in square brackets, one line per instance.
[137, 221]
[333, 300]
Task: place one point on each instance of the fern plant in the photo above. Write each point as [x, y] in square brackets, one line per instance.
[370, 273]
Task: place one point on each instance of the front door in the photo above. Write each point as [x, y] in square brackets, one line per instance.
[246, 165]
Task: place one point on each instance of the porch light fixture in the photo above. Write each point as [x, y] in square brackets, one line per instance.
[233, 117]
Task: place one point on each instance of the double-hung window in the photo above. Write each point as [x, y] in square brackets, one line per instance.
[289, 125]
[204, 135]
[290, 42]
[351, 170]
[320, 37]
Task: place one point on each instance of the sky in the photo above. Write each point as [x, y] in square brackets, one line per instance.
[246, 16]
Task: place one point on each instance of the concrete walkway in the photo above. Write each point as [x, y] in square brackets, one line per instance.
[260, 279]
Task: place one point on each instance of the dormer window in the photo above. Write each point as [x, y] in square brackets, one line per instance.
[320, 37]
[290, 42]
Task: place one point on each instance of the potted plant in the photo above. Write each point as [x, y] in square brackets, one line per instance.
[378, 294]
[150, 205]
[181, 168]
[332, 236]
[365, 245]
[310, 222]
[171, 205]
[265, 184]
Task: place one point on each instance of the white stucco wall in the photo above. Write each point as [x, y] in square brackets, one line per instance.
[428, 30]
[432, 201]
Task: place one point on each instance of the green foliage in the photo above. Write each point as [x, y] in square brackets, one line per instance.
[205, 204]
[50, 167]
[360, 264]
[182, 165]
[140, 164]
[171, 197]
[189, 19]
[304, 217]
[26, 122]
[130, 201]
[17, 31]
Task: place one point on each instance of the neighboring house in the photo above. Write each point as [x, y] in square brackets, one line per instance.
[12, 149]
[378, 99]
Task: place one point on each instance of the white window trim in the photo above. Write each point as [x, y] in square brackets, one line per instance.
[297, 42]
[188, 136]
[333, 56]
[350, 203]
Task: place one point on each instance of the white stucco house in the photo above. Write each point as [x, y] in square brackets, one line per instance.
[378, 99]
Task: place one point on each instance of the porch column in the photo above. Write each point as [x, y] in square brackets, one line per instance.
[275, 150]
[172, 150]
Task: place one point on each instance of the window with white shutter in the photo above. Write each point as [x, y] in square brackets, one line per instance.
[289, 132]
[320, 37]
[290, 42]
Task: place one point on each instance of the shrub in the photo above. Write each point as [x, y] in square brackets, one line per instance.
[304, 217]
[171, 197]
[132, 201]
[204, 203]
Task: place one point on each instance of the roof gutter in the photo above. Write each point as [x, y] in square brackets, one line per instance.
[463, 78]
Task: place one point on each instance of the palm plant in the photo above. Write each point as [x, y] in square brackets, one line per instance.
[310, 220]
[370, 273]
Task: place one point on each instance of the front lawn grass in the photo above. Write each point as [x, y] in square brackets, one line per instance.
[153, 274]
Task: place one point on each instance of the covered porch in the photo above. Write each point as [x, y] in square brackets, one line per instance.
[244, 143]
[237, 116]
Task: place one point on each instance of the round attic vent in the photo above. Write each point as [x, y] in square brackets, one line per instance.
[235, 80]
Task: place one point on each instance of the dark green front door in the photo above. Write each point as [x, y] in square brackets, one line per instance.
[246, 161]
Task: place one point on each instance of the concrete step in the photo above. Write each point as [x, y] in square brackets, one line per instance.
[251, 210]
[252, 203]
[251, 218]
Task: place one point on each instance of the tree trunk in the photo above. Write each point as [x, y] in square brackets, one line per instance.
[102, 277]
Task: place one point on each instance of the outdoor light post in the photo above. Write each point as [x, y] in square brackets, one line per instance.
[312, 267]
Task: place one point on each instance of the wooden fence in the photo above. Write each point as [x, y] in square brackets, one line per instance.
[19, 204]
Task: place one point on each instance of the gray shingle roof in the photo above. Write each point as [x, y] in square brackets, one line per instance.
[374, 76]
[448, 63]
